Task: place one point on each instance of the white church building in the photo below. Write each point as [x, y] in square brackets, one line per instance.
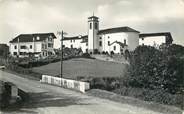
[116, 40]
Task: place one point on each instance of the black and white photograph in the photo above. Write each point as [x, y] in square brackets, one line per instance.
[91, 56]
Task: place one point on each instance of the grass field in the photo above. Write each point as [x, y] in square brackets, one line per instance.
[83, 67]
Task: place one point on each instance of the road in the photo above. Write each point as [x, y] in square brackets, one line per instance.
[48, 99]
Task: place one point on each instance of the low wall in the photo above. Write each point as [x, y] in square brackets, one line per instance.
[66, 83]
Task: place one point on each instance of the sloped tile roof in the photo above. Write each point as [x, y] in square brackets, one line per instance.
[116, 30]
[75, 37]
[120, 43]
[93, 17]
[29, 37]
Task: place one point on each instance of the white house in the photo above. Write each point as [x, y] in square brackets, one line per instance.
[155, 39]
[116, 39]
[75, 42]
[37, 45]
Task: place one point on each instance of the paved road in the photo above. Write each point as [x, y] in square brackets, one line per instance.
[47, 99]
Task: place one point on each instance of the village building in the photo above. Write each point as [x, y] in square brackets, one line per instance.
[155, 39]
[36, 45]
[110, 40]
[115, 40]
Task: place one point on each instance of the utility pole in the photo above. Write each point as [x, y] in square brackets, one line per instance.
[61, 65]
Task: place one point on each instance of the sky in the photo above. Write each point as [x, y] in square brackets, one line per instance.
[35, 16]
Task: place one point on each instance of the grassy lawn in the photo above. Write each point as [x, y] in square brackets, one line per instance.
[83, 67]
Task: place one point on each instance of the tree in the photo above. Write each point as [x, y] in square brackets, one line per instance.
[155, 69]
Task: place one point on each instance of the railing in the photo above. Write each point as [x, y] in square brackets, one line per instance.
[66, 83]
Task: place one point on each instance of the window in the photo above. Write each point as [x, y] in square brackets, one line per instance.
[14, 53]
[15, 47]
[142, 38]
[50, 38]
[86, 44]
[42, 46]
[21, 53]
[71, 46]
[108, 43]
[108, 36]
[100, 38]
[37, 38]
[22, 47]
[73, 40]
[30, 46]
[49, 53]
[90, 25]
[50, 45]
[114, 48]
[70, 40]
[125, 41]
[96, 25]
[100, 43]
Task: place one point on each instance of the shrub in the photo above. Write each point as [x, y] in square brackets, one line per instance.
[107, 53]
[105, 83]
[103, 52]
[5, 95]
[112, 52]
[96, 51]
[86, 55]
[154, 69]
[158, 95]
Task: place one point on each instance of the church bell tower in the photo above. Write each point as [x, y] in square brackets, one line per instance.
[93, 28]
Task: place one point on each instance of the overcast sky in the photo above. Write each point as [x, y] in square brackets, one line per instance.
[33, 16]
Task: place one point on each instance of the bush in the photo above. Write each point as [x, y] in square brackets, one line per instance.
[107, 53]
[154, 69]
[5, 95]
[86, 55]
[96, 51]
[103, 52]
[112, 52]
[105, 83]
[158, 96]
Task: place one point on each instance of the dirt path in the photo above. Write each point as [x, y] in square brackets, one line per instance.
[47, 99]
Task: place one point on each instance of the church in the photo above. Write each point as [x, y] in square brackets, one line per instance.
[113, 40]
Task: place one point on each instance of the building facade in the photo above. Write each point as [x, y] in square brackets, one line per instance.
[109, 40]
[36, 45]
[155, 39]
[75, 42]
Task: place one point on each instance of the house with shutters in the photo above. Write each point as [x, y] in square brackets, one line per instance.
[37, 45]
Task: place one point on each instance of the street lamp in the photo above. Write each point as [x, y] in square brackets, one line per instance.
[62, 35]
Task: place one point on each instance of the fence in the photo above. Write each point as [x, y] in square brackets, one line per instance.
[66, 83]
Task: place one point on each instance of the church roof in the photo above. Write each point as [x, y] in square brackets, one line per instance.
[29, 37]
[93, 17]
[116, 30]
[120, 43]
[155, 34]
